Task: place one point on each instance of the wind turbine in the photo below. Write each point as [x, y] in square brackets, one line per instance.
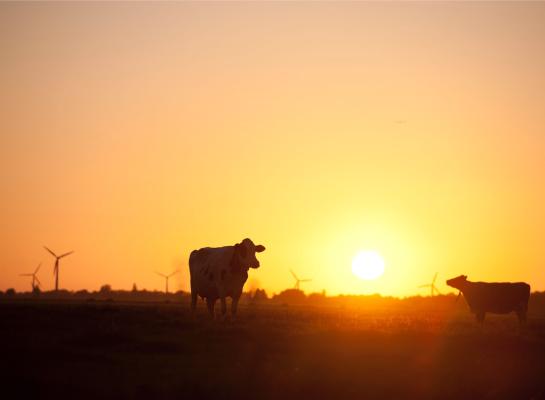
[298, 281]
[166, 278]
[56, 268]
[433, 288]
[34, 277]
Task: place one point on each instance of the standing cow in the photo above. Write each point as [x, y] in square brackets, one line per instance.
[498, 298]
[218, 272]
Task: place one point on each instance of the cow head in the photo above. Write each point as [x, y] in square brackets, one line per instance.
[459, 282]
[244, 257]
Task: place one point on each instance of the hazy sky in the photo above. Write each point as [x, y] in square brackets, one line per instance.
[133, 133]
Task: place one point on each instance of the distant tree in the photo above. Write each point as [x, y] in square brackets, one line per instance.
[105, 289]
[134, 288]
[290, 296]
[63, 294]
[81, 293]
[260, 295]
[36, 290]
[317, 298]
[11, 292]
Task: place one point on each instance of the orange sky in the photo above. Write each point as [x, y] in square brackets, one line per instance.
[133, 133]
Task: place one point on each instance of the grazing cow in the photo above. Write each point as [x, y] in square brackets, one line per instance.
[498, 298]
[220, 272]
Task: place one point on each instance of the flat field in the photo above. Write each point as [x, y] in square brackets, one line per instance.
[130, 350]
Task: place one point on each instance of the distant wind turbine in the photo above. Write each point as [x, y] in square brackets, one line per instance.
[298, 281]
[35, 281]
[166, 278]
[56, 268]
[433, 288]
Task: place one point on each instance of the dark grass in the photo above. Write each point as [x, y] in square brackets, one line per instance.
[113, 350]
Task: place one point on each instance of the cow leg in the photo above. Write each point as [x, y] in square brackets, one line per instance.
[193, 296]
[480, 316]
[210, 303]
[193, 301]
[223, 306]
[521, 314]
[234, 305]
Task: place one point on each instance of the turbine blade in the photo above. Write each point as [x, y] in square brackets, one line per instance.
[54, 255]
[422, 286]
[37, 280]
[158, 273]
[173, 273]
[305, 280]
[434, 278]
[66, 254]
[25, 274]
[437, 290]
[37, 269]
[293, 273]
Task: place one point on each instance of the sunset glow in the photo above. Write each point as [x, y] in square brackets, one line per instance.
[135, 133]
[272, 199]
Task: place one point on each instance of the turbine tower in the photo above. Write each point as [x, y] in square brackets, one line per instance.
[166, 278]
[298, 281]
[35, 281]
[433, 288]
[56, 268]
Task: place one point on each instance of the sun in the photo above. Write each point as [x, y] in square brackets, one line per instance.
[368, 265]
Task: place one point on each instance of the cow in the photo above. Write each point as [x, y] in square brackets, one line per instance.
[497, 297]
[219, 272]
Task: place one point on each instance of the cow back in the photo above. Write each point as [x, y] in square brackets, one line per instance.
[497, 297]
[210, 271]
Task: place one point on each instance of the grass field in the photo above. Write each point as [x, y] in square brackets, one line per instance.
[122, 350]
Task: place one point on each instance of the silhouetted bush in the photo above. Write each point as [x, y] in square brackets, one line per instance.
[11, 292]
[104, 289]
[63, 293]
[290, 296]
[317, 298]
[260, 296]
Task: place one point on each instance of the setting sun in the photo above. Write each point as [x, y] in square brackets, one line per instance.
[368, 265]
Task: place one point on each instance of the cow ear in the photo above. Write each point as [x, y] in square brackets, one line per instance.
[465, 277]
[259, 248]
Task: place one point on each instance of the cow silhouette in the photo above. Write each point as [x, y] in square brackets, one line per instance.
[220, 272]
[493, 297]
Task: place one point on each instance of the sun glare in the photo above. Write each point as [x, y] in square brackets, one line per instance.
[368, 265]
